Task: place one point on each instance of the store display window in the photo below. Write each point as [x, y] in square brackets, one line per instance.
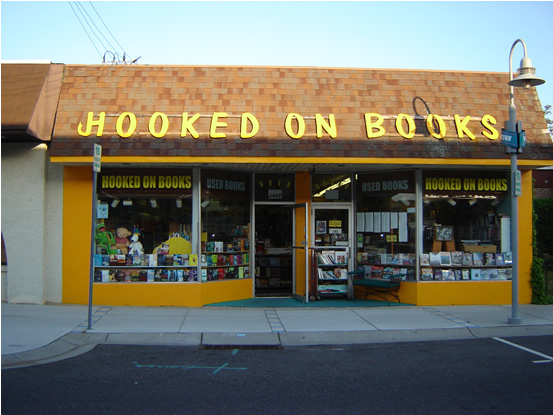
[144, 226]
[225, 225]
[385, 225]
[331, 188]
[466, 226]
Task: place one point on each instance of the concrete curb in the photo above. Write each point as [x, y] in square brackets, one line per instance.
[154, 339]
[75, 344]
[290, 339]
[241, 339]
[70, 345]
[511, 331]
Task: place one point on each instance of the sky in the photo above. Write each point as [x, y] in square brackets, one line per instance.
[468, 35]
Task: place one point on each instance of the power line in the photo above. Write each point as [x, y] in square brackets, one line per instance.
[81, 9]
[93, 28]
[84, 28]
[124, 53]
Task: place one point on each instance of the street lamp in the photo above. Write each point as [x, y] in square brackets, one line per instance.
[515, 139]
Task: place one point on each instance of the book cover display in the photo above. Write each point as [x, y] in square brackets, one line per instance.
[217, 261]
[465, 266]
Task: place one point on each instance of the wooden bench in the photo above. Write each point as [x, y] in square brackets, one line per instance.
[382, 288]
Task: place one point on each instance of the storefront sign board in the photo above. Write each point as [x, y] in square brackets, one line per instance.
[476, 182]
[220, 125]
[145, 182]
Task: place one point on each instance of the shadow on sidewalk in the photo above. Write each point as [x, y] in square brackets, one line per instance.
[282, 302]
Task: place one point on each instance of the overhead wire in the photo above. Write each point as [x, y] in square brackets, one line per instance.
[84, 28]
[95, 31]
[107, 28]
[87, 20]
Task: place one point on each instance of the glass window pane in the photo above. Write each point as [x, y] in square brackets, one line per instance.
[331, 187]
[466, 226]
[149, 234]
[144, 227]
[385, 224]
[225, 225]
[275, 187]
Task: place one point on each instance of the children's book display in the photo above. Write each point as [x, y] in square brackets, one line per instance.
[120, 260]
[466, 266]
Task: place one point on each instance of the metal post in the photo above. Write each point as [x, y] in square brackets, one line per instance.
[92, 247]
[514, 319]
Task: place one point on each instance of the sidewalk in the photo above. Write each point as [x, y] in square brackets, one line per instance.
[37, 334]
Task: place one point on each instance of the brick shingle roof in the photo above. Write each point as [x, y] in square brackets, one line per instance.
[30, 95]
[271, 93]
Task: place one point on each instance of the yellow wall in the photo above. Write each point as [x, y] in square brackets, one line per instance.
[77, 214]
[463, 293]
[303, 195]
[226, 290]
[525, 239]
[148, 294]
[186, 294]
[428, 293]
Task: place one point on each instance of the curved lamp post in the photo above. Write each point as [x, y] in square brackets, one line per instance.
[526, 78]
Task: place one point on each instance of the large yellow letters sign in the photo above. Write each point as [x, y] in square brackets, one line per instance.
[294, 125]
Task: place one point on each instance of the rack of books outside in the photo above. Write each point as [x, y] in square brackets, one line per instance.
[220, 261]
[476, 263]
[377, 263]
[332, 271]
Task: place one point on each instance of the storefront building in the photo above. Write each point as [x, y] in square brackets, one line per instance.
[226, 183]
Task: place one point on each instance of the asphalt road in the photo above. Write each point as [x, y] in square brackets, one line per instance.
[479, 376]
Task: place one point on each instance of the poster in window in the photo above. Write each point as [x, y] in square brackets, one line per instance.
[321, 227]
[444, 233]
[102, 211]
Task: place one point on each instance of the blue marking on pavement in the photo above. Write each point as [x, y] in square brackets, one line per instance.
[274, 321]
[189, 367]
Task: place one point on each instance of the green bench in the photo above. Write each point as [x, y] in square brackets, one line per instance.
[382, 288]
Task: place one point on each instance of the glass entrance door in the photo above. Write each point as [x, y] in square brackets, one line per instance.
[331, 253]
[332, 226]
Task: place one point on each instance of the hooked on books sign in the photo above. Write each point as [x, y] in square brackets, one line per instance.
[219, 125]
[136, 182]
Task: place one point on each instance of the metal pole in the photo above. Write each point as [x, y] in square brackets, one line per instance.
[512, 126]
[92, 248]
[306, 245]
[514, 319]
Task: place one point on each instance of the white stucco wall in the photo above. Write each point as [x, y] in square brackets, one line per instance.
[53, 234]
[32, 208]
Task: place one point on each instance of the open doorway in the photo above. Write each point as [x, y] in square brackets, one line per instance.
[274, 275]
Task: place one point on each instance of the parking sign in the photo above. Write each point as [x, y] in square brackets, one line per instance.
[97, 163]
